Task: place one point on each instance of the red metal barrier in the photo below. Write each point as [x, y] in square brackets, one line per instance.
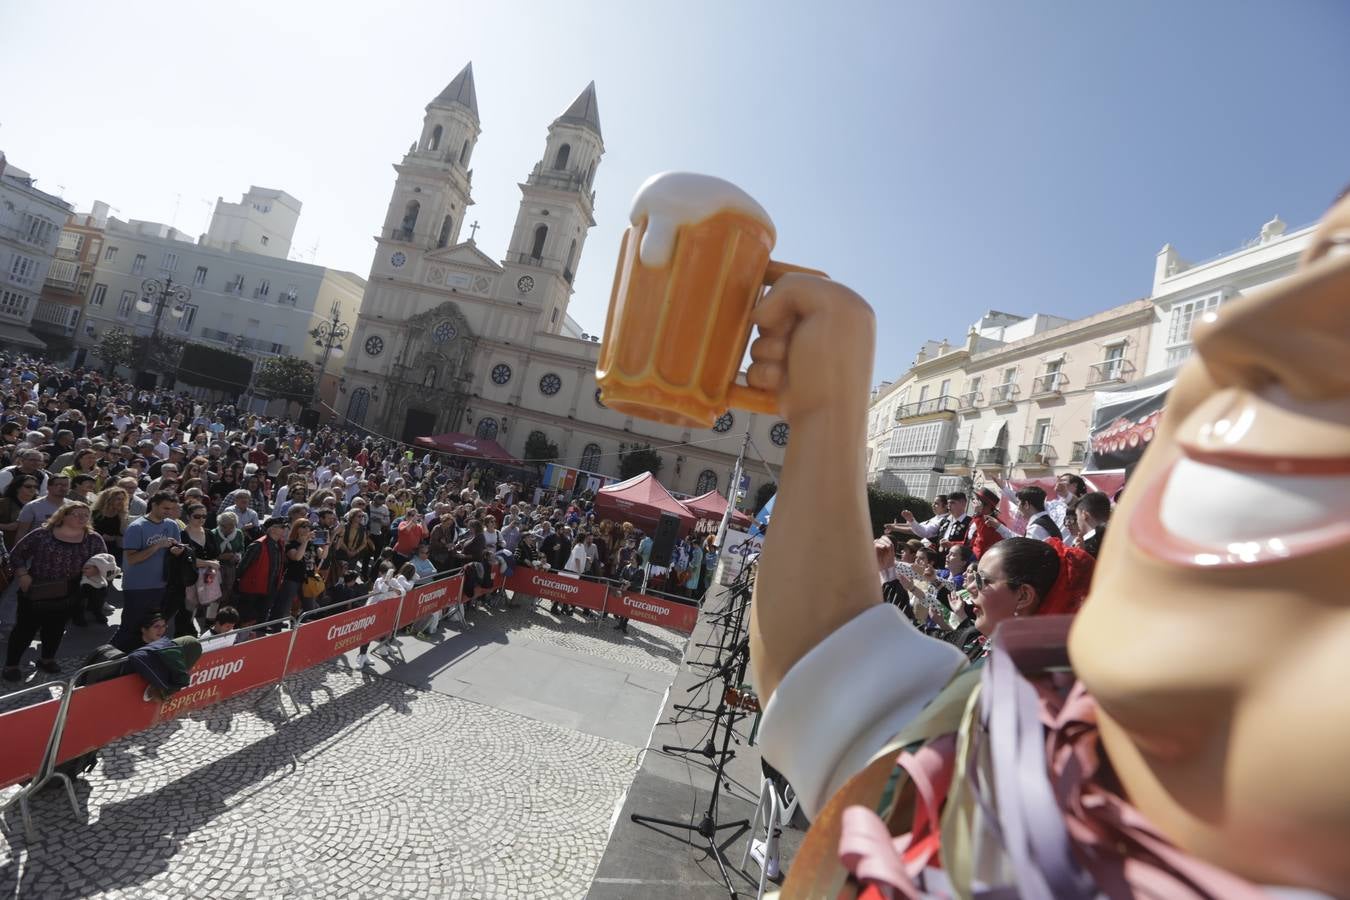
[101, 713]
[558, 587]
[426, 599]
[26, 731]
[328, 637]
[656, 610]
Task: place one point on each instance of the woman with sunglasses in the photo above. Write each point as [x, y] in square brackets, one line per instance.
[1025, 577]
[180, 599]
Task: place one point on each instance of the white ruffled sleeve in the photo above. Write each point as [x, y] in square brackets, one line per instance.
[840, 703]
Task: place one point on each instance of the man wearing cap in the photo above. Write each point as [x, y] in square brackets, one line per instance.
[258, 582]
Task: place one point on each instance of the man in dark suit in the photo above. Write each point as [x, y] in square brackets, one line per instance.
[1094, 512]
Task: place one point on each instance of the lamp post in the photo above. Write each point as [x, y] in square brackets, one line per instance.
[157, 295]
[329, 335]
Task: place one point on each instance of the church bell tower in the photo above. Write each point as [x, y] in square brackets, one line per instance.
[556, 212]
[432, 191]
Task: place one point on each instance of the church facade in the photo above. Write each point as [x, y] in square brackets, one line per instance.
[449, 339]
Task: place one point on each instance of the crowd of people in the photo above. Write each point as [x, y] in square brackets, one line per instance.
[960, 573]
[214, 518]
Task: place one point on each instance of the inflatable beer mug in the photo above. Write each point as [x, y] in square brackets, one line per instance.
[692, 265]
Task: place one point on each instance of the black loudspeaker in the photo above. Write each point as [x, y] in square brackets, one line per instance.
[663, 541]
[309, 418]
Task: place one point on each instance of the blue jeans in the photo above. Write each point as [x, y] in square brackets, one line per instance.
[136, 605]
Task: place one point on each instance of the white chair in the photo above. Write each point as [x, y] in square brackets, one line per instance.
[780, 811]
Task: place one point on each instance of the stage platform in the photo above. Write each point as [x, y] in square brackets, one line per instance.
[655, 862]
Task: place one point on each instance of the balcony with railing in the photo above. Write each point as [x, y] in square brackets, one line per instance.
[927, 407]
[1051, 384]
[401, 234]
[243, 344]
[916, 462]
[55, 317]
[529, 260]
[958, 461]
[1036, 456]
[991, 457]
[1004, 395]
[561, 179]
[1110, 371]
[1079, 453]
[63, 275]
[969, 402]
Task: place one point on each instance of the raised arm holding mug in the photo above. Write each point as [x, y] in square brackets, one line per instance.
[1175, 771]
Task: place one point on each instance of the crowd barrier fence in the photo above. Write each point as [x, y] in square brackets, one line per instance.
[40, 736]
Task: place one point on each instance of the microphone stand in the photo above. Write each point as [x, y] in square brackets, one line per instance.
[733, 618]
[708, 826]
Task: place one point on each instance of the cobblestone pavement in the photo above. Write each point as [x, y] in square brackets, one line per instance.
[646, 646]
[375, 790]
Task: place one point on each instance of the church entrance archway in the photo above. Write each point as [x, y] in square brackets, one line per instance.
[418, 423]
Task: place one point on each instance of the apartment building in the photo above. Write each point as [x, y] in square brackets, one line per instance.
[30, 233]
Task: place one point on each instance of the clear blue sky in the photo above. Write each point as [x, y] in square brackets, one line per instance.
[941, 158]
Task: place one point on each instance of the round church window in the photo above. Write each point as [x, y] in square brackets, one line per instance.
[550, 384]
[724, 423]
[779, 434]
[443, 332]
[501, 373]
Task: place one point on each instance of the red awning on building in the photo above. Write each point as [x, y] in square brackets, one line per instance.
[713, 505]
[640, 500]
[458, 444]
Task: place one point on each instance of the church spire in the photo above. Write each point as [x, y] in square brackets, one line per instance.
[584, 111]
[460, 91]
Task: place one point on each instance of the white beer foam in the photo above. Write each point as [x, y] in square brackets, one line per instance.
[672, 199]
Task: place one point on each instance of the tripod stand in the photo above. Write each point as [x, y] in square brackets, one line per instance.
[732, 619]
[707, 827]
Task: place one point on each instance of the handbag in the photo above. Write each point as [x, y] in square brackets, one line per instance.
[206, 591]
[313, 587]
[51, 596]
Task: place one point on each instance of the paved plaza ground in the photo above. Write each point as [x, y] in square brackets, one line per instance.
[489, 763]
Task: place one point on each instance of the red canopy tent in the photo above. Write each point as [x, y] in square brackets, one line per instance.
[713, 505]
[458, 444]
[640, 500]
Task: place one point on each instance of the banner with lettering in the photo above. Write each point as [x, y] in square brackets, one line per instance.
[655, 610]
[431, 597]
[325, 638]
[101, 713]
[558, 587]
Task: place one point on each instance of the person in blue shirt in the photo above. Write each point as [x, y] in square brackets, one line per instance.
[144, 545]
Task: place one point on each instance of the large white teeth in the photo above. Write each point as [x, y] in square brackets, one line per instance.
[1215, 506]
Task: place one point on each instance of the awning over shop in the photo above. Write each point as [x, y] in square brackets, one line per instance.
[17, 335]
[457, 444]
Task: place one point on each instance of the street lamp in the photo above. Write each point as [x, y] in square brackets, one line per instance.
[156, 295]
[329, 335]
